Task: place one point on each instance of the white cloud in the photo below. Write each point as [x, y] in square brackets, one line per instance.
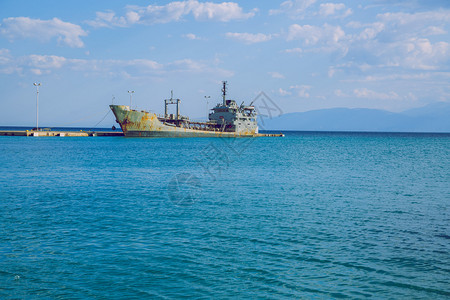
[173, 12]
[293, 50]
[371, 31]
[422, 54]
[369, 94]
[39, 64]
[109, 19]
[5, 56]
[330, 9]
[297, 9]
[23, 27]
[276, 75]
[46, 61]
[409, 53]
[36, 71]
[224, 12]
[402, 41]
[420, 18]
[46, 64]
[340, 93]
[293, 8]
[187, 65]
[284, 92]
[7, 63]
[302, 90]
[434, 30]
[331, 71]
[311, 35]
[143, 64]
[132, 17]
[314, 38]
[191, 36]
[249, 38]
[364, 93]
[398, 77]
[398, 26]
[299, 90]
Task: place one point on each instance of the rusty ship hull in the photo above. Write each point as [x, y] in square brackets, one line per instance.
[137, 123]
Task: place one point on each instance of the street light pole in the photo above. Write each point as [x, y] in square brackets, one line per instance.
[37, 85]
[207, 104]
[131, 95]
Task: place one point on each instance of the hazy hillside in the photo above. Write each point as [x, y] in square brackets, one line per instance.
[431, 118]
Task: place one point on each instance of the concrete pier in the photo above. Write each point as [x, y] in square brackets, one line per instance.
[270, 134]
[58, 133]
[89, 133]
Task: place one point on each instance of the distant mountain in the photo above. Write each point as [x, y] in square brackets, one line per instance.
[431, 118]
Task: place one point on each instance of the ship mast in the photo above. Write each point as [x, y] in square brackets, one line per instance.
[224, 92]
[172, 101]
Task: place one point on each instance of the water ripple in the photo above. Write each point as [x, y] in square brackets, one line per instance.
[307, 216]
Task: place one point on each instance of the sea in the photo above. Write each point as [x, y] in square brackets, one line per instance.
[312, 215]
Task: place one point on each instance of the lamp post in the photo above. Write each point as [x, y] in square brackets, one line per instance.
[37, 85]
[207, 104]
[131, 95]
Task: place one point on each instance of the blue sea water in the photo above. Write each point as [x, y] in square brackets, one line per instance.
[310, 215]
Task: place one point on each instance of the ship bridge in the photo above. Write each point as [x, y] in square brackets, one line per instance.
[232, 117]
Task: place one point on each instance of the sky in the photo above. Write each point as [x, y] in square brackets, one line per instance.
[303, 54]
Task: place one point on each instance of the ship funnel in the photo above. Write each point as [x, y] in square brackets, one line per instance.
[224, 92]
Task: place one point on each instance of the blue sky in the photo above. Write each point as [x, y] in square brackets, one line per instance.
[304, 54]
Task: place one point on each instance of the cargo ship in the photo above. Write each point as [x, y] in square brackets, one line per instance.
[226, 119]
